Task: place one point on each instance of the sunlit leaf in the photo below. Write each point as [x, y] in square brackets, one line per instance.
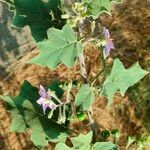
[61, 47]
[121, 79]
[62, 146]
[82, 142]
[104, 146]
[95, 7]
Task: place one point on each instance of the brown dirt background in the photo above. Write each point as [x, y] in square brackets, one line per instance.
[130, 29]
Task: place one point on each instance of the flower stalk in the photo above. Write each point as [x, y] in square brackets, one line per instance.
[89, 112]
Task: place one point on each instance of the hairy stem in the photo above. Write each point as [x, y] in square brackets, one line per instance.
[130, 143]
[100, 72]
[90, 116]
[93, 125]
[83, 68]
[73, 107]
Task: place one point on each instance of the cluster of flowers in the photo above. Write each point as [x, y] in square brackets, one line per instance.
[46, 101]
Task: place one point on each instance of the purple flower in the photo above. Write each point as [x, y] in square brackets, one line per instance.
[108, 42]
[45, 100]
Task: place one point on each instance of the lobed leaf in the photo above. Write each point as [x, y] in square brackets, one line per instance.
[95, 7]
[121, 79]
[39, 15]
[61, 47]
[82, 142]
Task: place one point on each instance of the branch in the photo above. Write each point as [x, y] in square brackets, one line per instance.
[90, 116]
[83, 68]
[100, 72]
[93, 126]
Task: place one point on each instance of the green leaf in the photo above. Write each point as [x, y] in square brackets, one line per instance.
[61, 47]
[104, 146]
[27, 114]
[95, 7]
[18, 123]
[85, 97]
[121, 79]
[62, 146]
[37, 14]
[82, 142]
[61, 138]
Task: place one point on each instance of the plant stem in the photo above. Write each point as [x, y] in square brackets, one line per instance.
[84, 74]
[83, 68]
[72, 95]
[130, 143]
[93, 125]
[101, 71]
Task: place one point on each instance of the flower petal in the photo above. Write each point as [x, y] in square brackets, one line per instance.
[42, 92]
[40, 101]
[111, 44]
[106, 33]
[44, 107]
[107, 50]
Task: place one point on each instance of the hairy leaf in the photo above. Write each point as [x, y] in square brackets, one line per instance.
[121, 79]
[18, 123]
[95, 7]
[39, 15]
[62, 146]
[82, 142]
[85, 97]
[61, 47]
[104, 146]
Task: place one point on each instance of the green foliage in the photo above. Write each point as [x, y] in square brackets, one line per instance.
[104, 146]
[61, 47]
[59, 44]
[37, 14]
[121, 79]
[83, 142]
[62, 146]
[95, 7]
[26, 114]
[85, 97]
